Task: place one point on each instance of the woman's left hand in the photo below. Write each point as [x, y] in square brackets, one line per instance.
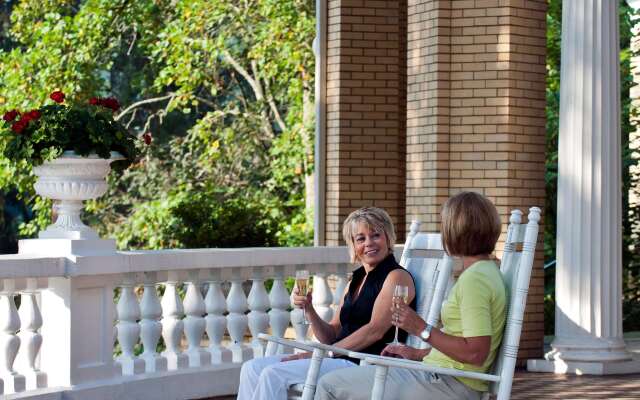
[406, 319]
[299, 356]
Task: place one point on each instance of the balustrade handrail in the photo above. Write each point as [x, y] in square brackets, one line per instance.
[30, 266]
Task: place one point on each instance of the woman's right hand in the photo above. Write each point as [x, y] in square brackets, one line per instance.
[402, 351]
[302, 301]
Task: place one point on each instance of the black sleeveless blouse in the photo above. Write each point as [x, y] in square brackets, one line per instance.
[356, 314]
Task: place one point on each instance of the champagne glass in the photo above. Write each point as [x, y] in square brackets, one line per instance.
[400, 294]
[302, 282]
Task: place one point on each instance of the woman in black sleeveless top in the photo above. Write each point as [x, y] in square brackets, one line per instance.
[363, 321]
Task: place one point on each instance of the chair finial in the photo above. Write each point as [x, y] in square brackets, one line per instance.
[534, 214]
[516, 216]
[415, 226]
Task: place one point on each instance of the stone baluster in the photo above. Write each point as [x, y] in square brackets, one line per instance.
[341, 285]
[278, 316]
[194, 323]
[172, 326]
[150, 326]
[237, 321]
[128, 329]
[9, 341]
[216, 305]
[258, 304]
[30, 337]
[322, 296]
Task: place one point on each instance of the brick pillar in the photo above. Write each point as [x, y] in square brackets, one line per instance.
[475, 115]
[366, 97]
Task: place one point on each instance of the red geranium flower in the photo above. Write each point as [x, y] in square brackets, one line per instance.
[147, 138]
[94, 101]
[10, 115]
[34, 114]
[19, 126]
[112, 103]
[57, 96]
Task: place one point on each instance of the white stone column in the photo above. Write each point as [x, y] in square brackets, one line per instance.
[588, 326]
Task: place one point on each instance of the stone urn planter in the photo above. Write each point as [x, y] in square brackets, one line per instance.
[70, 179]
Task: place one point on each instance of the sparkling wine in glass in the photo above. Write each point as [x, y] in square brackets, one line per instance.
[302, 283]
[400, 295]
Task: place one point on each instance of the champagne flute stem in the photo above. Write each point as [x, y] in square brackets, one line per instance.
[395, 337]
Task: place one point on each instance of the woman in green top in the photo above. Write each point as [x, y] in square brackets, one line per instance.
[473, 317]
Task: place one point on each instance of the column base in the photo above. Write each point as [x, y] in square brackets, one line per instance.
[584, 367]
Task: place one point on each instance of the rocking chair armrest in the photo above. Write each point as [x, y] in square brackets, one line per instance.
[328, 347]
[285, 342]
[419, 365]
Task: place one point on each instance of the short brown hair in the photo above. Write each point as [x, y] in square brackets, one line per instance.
[376, 219]
[470, 225]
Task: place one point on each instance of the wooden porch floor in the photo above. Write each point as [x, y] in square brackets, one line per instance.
[533, 386]
[530, 386]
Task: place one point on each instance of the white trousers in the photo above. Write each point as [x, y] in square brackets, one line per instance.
[401, 384]
[268, 378]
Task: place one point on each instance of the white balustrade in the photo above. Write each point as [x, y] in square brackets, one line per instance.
[278, 315]
[127, 327]
[30, 337]
[150, 326]
[258, 302]
[236, 320]
[322, 296]
[9, 340]
[215, 306]
[172, 325]
[341, 285]
[66, 327]
[194, 323]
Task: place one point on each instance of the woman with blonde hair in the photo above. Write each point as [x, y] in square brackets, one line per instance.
[361, 323]
[473, 317]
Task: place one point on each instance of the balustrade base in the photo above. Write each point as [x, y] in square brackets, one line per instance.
[198, 358]
[14, 383]
[35, 380]
[155, 363]
[176, 361]
[131, 366]
[220, 355]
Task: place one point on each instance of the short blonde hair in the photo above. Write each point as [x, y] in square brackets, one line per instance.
[376, 219]
[470, 225]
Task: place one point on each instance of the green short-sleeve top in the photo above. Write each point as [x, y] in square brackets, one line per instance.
[476, 306]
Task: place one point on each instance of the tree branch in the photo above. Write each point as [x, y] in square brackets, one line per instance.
[274, 108]
[143, 102]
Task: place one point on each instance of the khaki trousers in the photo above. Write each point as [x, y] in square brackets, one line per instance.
[355, 383]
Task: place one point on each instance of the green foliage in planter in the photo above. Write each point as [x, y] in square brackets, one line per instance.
[83, 129]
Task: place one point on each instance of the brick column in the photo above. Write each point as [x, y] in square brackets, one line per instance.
[475, 119]
[365, 143]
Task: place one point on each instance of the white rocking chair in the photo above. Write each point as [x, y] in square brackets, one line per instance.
[424, 257]
[516, 270]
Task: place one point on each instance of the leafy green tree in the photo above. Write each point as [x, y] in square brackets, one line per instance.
[225, 87]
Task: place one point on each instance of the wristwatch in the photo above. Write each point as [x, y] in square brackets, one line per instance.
[426, 333]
